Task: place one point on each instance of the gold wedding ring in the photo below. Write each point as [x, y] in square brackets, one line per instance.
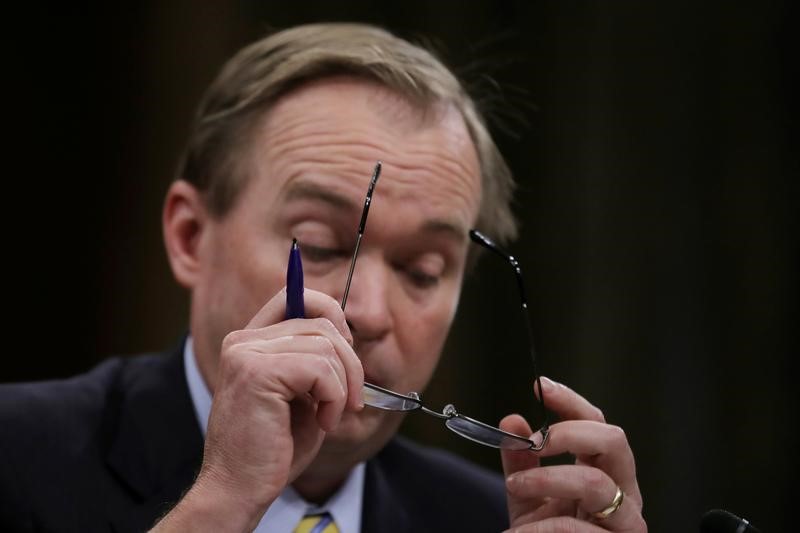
[611, 509]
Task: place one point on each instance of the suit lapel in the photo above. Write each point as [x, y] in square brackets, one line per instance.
[383, 508]
[157, 447]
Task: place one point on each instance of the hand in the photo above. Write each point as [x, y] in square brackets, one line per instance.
[281, 385]
[563, 497]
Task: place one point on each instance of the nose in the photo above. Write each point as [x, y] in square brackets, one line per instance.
[368, 308]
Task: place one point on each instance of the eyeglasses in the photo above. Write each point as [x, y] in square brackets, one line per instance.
[469, 428]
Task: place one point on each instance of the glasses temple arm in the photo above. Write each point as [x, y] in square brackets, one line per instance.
[375, 175]
[481, 239]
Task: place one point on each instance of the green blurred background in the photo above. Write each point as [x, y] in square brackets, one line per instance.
[656, 148]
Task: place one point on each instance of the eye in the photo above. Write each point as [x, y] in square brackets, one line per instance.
[425, 271]
[320, 254]
[422, 280]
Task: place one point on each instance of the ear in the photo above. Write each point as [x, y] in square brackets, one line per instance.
[184, 220]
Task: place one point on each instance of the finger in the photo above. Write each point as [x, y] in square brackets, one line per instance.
[566, 403]
[317, 305]
[516, 461]
[307, 347]
[278, 379]
[323, 313]
[317, 379]
[601, 445]
[556, 525]
[343, 349]
[547, 509]
[591, 488]
[354, 371]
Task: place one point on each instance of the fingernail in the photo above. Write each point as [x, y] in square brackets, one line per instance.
[511, 482]
[537, 439]
[547, 383]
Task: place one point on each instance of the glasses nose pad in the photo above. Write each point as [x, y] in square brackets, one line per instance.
[449, 410]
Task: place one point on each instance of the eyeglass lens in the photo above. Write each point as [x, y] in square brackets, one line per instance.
[375, 397]
[485, 434]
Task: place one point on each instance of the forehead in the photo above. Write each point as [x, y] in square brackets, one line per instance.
[329, 133]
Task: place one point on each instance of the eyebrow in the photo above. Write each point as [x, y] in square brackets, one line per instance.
[310, 191]
[446, 228]
[304, 190]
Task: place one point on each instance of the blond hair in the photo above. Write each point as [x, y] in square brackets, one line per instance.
[259, 74]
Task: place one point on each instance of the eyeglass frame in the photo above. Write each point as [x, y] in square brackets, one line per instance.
[449, 412]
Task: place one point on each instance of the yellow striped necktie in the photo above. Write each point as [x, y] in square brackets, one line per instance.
[317, 523]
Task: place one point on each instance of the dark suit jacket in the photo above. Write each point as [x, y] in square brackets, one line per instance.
[114, 449]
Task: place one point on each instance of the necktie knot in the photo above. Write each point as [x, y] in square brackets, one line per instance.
[317, 523]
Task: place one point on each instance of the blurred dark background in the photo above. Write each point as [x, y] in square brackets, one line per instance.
[656, 148]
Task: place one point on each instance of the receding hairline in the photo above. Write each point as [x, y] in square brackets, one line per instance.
[384, 98]
[255, 78]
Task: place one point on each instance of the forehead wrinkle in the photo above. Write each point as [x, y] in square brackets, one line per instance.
[297, 138]
[433, 164]
[326, 131]
[301, 127]
[343, 146]
[412, 179]
[309, 190]
[310, 129]
[346, 177]
[356, 161]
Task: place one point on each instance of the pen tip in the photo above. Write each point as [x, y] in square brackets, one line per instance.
[294, 242]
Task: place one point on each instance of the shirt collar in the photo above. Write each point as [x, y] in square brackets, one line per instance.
[285, 512]
[201, 398]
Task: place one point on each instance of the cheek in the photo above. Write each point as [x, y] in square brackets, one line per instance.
[243, 281]
[426, 329]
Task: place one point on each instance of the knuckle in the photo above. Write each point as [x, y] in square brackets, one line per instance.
[324, 366]
[324, 325]
[322, 345]
[595, 482]
[328, 370]
[330, 303]
[618, 437]
[232, 339]
[598, 413]
[321, 364]
[326, 346]
[539, 480]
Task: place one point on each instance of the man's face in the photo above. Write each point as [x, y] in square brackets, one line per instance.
[310, 164]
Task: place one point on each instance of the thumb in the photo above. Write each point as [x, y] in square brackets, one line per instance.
[516, 460]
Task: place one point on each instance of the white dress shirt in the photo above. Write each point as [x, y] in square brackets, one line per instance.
[285, 512]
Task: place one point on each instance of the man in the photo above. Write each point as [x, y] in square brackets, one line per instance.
[283, 145]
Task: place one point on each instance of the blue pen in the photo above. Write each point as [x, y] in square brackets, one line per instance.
[294, 284]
